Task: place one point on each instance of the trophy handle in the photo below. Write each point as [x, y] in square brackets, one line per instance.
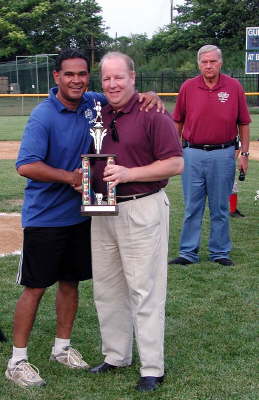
[86, 181]
[111, 192]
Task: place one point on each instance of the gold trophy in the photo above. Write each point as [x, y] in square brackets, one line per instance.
[100, 205]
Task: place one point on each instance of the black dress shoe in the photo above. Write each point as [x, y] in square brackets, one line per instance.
[224, 261]
[237, 214]
[102, 368]
[180, 260]
[148, 383]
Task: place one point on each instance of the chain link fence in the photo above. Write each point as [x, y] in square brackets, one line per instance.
[32, 75]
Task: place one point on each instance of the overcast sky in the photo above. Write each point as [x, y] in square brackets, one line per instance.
[136, 16]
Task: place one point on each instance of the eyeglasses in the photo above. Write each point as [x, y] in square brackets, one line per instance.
[114, 132]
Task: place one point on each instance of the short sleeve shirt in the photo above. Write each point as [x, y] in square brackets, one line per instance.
[211, 116]
[144, 137]
[56, 136]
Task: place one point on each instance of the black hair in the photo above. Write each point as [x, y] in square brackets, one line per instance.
[67, 54]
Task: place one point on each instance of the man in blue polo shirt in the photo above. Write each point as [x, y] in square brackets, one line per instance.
[56, 244]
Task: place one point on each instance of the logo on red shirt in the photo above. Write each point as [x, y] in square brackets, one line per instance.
[223, 96]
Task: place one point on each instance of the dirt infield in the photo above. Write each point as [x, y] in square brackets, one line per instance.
[10, 225]
[9, 150]
[10, 233]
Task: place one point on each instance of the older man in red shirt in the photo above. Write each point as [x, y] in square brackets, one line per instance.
[210, 112]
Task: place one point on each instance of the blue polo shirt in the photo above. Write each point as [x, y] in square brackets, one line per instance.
[56, 136]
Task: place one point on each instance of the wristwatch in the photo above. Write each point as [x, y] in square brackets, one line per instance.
[244, 153]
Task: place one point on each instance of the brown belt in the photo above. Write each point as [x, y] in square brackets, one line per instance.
[134, 196]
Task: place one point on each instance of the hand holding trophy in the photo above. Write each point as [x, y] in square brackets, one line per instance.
[101, 205]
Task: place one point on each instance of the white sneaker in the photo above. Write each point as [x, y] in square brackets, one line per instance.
[69, 357]
[24, 374]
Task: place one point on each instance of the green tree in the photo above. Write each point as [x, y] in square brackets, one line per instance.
[120, 43]
[199, 22]
[221, 22]
[135, 46]
[44, 26]
[14, 18]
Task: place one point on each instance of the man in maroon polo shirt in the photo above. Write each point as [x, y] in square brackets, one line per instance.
[210, 112]
[130, 250]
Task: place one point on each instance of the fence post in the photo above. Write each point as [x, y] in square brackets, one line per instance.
[162, 82]
[22, 105]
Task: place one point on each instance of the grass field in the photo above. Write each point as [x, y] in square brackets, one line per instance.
[12, 186]
[18, 105]
[254, 127]
[211, 315]
[211, 319]
[11, 127]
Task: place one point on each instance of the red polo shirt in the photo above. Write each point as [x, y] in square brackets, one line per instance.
[211, 116]
[144, 137]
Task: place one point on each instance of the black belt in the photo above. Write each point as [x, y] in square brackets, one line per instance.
[135, 196]
[208, 147]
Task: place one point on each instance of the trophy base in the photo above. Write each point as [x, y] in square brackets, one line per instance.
[100, 210]
[99, 155]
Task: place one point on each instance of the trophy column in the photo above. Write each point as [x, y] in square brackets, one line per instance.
[111, 192]
[93, 203]
[86, 182]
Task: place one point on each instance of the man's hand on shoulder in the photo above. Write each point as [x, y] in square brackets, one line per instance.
[149, 100]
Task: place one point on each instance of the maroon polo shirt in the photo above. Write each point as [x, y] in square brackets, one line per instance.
[144, 137]
[211, 116]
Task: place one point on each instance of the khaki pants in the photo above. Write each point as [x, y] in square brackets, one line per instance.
[130, 276]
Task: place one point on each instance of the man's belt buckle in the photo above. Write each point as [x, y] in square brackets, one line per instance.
[206, 147]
